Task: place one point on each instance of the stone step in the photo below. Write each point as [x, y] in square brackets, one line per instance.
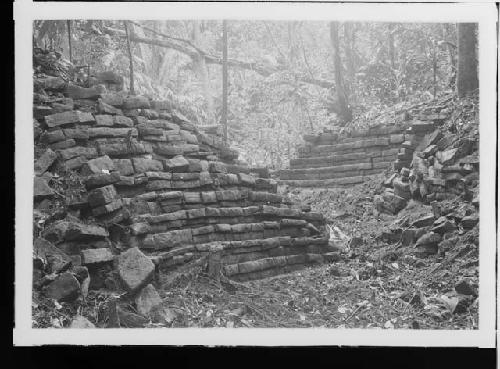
[326, 183]
[321, 151]
[350, 158]
[271, 266]
[336, 172]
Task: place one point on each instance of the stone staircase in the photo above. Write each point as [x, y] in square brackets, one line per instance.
[330, 159]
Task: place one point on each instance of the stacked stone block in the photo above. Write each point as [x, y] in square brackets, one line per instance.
[177, 191]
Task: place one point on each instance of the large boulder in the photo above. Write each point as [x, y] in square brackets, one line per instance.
[147, 299]
[135, 269]
[56, 260]
[45, 161]
[41, 189]
[64, 288]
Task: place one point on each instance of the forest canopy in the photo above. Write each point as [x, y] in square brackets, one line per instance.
[285, 78]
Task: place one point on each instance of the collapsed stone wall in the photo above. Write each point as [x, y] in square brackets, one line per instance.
[440, 165]
[143, 189]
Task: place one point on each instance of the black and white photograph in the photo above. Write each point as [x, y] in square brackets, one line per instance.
[248, 172]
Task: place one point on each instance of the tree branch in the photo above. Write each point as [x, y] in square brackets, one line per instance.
[193, 52]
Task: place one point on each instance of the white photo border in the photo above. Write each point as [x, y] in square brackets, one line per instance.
[485, 14]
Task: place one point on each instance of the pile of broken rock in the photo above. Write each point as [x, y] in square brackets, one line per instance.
[446, 166]
[444, 173]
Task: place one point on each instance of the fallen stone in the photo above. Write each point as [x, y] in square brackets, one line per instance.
[447, 157]
[429, 238]
[408, 237]
[68, 117]
[436, 209]
[464, 287]
[101, 196]
[45, 161]
[64, 288]
[146, 300]
[392, 202]
[464, 302]
[80, 272]
[424, 221]
[135, 269]
[388, 181]
[56, 260]
[405, 172]
[41, 188]
[429, 151]
[401, 189]
[470, 221]
[80, 322]
[435, 137]
[163, 315]
[95, 256]
[129, 319]
[443, 225]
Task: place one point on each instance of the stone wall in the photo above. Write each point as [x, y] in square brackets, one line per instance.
[146, 179]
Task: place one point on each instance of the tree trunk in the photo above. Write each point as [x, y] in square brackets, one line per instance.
[68, 24]
[201, 70]
[467, 80]
[391, 46]
[131, 60]
[344, 110]
[224, 78]
[348, 42]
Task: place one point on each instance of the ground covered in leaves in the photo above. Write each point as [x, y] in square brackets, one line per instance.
[377, 284]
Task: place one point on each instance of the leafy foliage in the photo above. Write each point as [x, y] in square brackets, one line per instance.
[384, 64]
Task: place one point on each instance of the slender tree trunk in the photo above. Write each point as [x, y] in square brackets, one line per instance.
[434, 69]
[202, 72]
[68, 24]
[467, 80]
[348, 41]
[131, 60]
[391, 46]
[224, 78]
[344, 110]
